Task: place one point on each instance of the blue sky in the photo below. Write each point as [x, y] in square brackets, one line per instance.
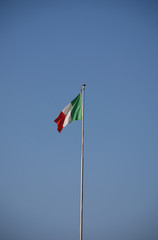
[48, 49]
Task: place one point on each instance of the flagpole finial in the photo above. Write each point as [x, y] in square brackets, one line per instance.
[83, 86]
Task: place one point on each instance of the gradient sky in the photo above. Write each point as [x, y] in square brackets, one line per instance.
[47, 50]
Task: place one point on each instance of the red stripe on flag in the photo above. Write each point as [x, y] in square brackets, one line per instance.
[60, 121]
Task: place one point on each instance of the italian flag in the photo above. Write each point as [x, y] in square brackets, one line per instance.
[72, 112]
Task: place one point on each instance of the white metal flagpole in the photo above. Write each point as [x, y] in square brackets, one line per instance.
[82, 165]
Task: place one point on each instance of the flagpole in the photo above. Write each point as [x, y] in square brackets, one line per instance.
[82, 166]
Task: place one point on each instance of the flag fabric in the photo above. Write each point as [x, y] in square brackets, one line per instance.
[72, 112]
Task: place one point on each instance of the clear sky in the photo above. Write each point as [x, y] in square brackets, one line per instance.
[47, 50]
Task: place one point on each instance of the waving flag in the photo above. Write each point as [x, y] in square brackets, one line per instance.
[72, 112]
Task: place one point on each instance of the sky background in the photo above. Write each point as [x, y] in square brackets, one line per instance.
[47, 50]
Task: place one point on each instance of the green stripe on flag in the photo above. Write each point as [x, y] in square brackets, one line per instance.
[76, 110]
